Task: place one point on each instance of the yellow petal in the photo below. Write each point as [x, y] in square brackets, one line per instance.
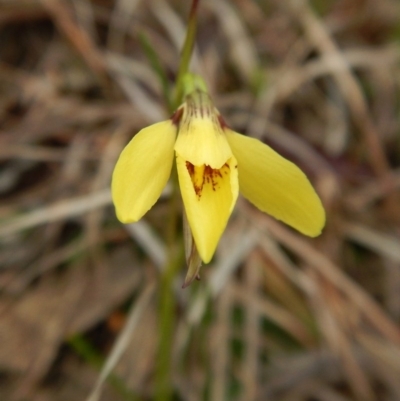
[142, 171]
[208, 202]
[276, 186]
[201, 139]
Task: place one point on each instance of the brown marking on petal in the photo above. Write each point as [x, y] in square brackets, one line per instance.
[199, 105]
[206, 175]
[222, 122]
[197, 179]
[190, 168]
[176, 117]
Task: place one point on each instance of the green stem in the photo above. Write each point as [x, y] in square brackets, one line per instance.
[167, 304]
[186, 53]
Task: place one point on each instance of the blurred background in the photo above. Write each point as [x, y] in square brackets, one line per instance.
[276, 316]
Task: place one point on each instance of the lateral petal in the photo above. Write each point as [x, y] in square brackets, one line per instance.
[209, 203]
[142, 171]
[276, 186]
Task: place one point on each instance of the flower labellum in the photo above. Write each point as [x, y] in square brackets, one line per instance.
[213, 163]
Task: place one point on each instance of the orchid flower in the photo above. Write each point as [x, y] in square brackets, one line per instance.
[213, 164]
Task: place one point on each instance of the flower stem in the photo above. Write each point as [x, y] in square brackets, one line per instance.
[167, 303]
[187, 51]
[167, 306]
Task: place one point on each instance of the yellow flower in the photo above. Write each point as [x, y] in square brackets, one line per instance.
[213, 163]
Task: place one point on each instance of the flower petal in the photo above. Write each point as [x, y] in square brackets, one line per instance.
[208, 204]
[142, 171]
[276, 186]
[201, 139]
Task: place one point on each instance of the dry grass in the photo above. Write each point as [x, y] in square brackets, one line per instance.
[276, 316]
